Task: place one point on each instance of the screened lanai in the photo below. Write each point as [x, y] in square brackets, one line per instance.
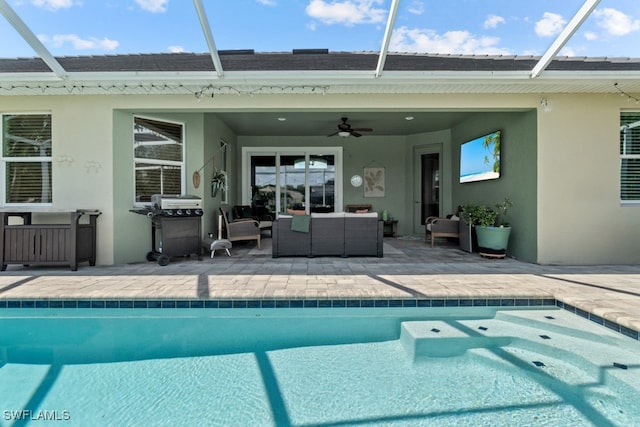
[53, 32]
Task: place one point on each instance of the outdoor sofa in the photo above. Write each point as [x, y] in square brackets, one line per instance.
[328, 234]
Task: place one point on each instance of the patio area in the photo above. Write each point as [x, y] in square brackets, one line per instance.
[410, 273]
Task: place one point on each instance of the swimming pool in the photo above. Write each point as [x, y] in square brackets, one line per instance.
[327, 367]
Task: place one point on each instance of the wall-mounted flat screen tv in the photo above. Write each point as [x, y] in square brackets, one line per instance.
[480, 158]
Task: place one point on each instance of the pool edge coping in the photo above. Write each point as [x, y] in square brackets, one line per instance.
[284, 303]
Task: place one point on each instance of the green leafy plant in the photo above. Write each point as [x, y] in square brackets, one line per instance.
[486, 216]
[218, 182]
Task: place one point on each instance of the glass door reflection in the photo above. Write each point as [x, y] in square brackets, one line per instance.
[293, 182]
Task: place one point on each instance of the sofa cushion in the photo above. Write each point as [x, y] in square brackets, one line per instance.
[361, 215]
[327, 215]
[296, 212]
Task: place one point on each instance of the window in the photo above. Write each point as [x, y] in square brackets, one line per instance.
[26, 158]
[630, 157]
[158, 158]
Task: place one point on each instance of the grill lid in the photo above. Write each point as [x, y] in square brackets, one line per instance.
[171, 201]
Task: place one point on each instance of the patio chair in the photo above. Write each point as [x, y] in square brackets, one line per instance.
[259, 213]
[241, 229]
[441, 227]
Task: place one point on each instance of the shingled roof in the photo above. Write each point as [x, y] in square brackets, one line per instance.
[310, 60]
[313, 71]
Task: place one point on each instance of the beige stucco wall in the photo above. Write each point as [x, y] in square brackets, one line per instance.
[82, 167]
[579, 217]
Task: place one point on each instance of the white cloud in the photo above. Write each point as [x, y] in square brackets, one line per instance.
[153, 6]
[348, 12]
[176, 49]
[567, 51]
[589, 35]
[454, 42]
[267, 2]
[493, 21]
[53, 4]
[78, 43]
[551, 24]
[615, 22]
[416, 7]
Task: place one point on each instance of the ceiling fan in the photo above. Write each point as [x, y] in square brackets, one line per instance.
[345, 129]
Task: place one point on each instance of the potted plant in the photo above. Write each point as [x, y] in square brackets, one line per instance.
[491, 230]
[218, 182]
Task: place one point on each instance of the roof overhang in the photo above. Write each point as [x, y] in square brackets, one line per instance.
[318, 82]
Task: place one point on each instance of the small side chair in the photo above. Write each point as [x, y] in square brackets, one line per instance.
[441, 227]
[242, 229]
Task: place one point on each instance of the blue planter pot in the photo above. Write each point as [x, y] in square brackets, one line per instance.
[494, 240]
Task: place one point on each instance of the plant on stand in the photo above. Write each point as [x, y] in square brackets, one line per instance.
[491, 229]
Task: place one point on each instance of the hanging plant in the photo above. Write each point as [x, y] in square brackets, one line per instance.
[218, 182]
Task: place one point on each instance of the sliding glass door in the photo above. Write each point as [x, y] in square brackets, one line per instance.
[296, 179]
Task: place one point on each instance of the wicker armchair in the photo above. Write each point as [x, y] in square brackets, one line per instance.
[440, 227]
[242, 229]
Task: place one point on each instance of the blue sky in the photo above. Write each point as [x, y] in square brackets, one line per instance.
[482, 27]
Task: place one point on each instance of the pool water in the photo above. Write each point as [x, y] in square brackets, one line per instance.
[314, 367]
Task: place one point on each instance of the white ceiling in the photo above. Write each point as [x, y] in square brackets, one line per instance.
[322, 123]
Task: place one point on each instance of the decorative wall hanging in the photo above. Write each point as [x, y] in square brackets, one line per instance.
[373, 182]
[196, 175]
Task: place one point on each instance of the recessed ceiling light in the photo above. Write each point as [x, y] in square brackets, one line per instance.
[282, 119]
[409, 118]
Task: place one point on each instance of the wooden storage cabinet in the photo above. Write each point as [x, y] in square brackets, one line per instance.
[48, 244]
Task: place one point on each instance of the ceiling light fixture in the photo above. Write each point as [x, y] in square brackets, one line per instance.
[409, 118]
[282, 119]
[344, 134]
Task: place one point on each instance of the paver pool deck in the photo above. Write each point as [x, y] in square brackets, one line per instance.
[410, 269]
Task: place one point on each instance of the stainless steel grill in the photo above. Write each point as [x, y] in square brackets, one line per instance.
[176, 227]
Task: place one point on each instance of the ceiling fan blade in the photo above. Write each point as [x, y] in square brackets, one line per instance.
[356, 134]
[333, 134]
[363, 129]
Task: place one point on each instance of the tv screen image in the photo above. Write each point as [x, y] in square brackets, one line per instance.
[480, 158]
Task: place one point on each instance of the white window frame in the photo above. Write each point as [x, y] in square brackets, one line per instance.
[625, 156]
[6, 160]
[136, 160]
[247, 152]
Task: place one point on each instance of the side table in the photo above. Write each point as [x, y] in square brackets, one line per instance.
[390, 228]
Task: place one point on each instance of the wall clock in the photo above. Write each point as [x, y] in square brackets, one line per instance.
[356, 180]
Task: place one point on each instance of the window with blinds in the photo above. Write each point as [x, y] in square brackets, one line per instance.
[26, 158]
[630, 157]
[158, 158]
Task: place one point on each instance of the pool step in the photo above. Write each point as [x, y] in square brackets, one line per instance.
[437, 338]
